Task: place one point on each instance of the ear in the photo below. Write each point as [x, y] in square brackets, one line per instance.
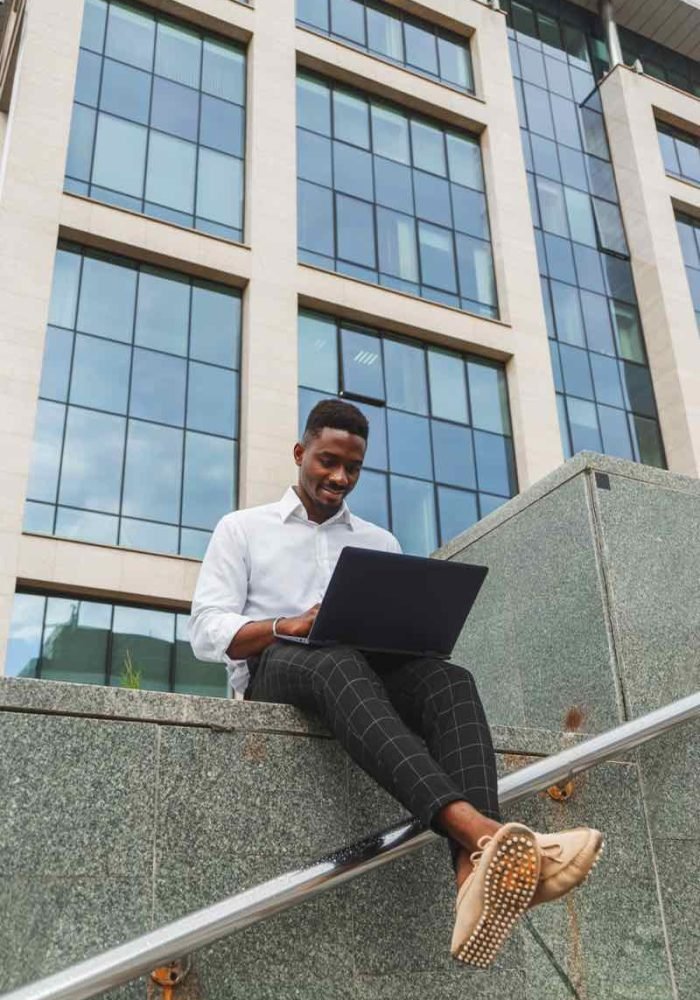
[298, 453]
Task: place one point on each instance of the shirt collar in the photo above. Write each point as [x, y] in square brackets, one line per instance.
[290, 505]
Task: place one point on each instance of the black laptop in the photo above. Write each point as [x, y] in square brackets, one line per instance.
[385, 602]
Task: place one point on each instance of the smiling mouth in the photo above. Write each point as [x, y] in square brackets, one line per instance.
[336, 494]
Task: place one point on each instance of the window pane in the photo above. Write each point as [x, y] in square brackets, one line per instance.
[409, 445]
[580, 216]
[82, 133]
[24, 643]
[355, 221]
[476, 277]
[175, 109]
[93, 441]
[567, 313]
[223, 71]
[120, 155]
[432, 198]
[647, 441]
[583, 423]
[588, 269]
[210, 477]
[101, 529]
[606, 381]
[637, 386]
[220, 188]
[193, 676]
[171, 168]
[158, 387]
[458, 512]
[539, 113]
[448, 391]
[352, 170]
[560, 259]
[428, 148]
[369, 498]
[148, 536]
[100, 377]
[348, 20]
[615, 432]
[46, 451]
[194, 543]
[453, 454]
[421, 49]
[489, 396]
[668, 152]
[406, 386]
[178, 54]
[313, 105]
[162, 311]
[629, 335]
[384, 34]
[376, 456]
[107, 296]
[470, 213]
[455, 65]
[64, 291]
[316, 219]
[75, 641]
[394, 186]
[494, 463]
[576, 372]
[362, 364]
[610, 230]
[314, 157]
[396, 235]
[130, 36]
[94, 22]
[464, 158]
[152, 472]
[552, 206]
[313, 12]
[437, 257]
[318, 353]
[390, 134]
[351, 118]
[125, 91]
[413, 515]
[55, 370]
[222, 126]
[596, 317]
[215, 330]
[142, 641]
[212, 400]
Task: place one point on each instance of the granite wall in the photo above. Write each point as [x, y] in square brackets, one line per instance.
[120, 810]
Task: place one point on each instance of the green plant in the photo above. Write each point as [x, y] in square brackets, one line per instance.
[130, 677]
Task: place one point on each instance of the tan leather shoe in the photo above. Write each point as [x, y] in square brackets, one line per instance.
[499, 890]
[567, 858]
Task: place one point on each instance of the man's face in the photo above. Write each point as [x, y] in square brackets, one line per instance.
[329, 467]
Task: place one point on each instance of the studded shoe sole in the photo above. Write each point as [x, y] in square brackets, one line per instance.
[507, 876]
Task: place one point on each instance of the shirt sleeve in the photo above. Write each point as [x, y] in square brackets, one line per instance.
[220, 594]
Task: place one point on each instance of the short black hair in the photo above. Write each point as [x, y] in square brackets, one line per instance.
[337, 414]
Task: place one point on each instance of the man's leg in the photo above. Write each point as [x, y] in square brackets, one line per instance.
[339, 684]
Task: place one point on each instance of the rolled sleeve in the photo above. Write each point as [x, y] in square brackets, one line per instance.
[220, 594]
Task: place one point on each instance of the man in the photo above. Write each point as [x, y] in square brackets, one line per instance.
[416, 725]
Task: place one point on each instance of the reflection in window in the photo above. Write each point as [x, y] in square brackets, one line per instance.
[135, 440]
[598, 357]
[385, 31]
[440, 454]
[159, 119]
[689, 236]
[390, 198]
[680, 151]
[92, 642]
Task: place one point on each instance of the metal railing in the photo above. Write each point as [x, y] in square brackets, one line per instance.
[142, 954]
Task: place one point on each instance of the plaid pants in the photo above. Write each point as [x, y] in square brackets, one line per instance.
[417, 726]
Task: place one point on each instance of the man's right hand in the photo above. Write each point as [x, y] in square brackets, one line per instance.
[300, 625]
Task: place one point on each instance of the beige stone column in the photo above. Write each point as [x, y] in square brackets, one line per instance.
[269, 365]
[31, 182]
[668, 319]
[530, 382]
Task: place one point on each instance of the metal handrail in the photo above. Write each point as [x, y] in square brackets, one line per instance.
[125, 962]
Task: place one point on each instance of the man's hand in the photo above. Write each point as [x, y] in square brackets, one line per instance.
[300, 625]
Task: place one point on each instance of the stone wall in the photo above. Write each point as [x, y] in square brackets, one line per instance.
[120, 810]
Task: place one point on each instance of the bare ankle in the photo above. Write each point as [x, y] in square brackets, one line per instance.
[465, 824]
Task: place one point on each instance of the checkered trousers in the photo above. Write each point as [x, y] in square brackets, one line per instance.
[417, 726]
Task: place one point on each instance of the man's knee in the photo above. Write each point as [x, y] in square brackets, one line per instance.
[337, 665]
[444, 677]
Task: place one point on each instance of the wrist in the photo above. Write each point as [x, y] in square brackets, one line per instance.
[277, 626]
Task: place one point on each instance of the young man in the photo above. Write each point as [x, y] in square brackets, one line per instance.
[416, 725]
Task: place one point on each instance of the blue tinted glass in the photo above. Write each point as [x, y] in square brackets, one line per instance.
[448, 390]
[413, 515]
[615, 432]
[646, 441]
[351, 118]
[458, 511]
[406, 387]
[314, 157]
[421, 50]
[313, 105]
[602, 179]
[396, 236]
[210, 476]
[223, 71]
[476, 277]
[215, 327]
[689, 245]
[152, 472]
[552, 206]
[315, 219]
[428, 148]
[637, 386]
[464, 159]
[532, 66]
[596, 317]
[313, 12]
[130, 36]
[87, 526]
[453, 454]
[352, 170]
[580, 215]
[606, 380]
[409, 444]
[87, 82]
[148, 535]
[355, 231]
[560, 259]
[576, 371]
[318, 353]
[455, 63]
[94, 22]
[573, 168]
[394, 185]
[384, 34]
[489, 396]
[120, 155]
[432, 198]
[46, 453]
[93, 441]
[539, 113]
[588, 269]
[618, 276]
[125, 91]
[38, 517]
[565, 122]
[583, 422]
[567, 313]
[193, 543]
[376, 456]
[55, 370]
[158, 387]
[162, 311]
[362, 364]
[437, 257]
[609, 224]
[369, 498]
[348, 19]
[143, 637]
[171, 172]
[628, 334]
[64, 291]
[107, 297]
[556, 366]
[178, 54]
[176, 109]
[544, 157]
[668, 152]
[494, 463]
[689, 158]
[470, 211]
[82, 134]
[390, 134]
[220, 188]
[488, 503]
[24, 644]
[100, 374]
[212, 400]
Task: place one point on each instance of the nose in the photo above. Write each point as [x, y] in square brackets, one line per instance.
[339, 478]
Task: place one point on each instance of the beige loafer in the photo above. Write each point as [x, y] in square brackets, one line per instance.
[499, 890]
[567, 859]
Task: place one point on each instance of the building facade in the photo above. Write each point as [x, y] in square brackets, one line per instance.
[478, 222]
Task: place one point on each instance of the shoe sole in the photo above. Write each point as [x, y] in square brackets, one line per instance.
[509, 885]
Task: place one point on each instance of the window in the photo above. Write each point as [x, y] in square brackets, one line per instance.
[681, 153]
[689, 236]
[159, 119]
[440, 453]
[392, 198]
[386, 32]
[66, 638]
[136, 435]
[605, 396]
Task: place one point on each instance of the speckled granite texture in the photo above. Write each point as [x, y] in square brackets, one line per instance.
[120, 810]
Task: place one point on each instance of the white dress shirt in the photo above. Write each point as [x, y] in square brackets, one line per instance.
[268, 561]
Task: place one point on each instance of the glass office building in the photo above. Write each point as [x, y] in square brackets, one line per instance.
[216, 217]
